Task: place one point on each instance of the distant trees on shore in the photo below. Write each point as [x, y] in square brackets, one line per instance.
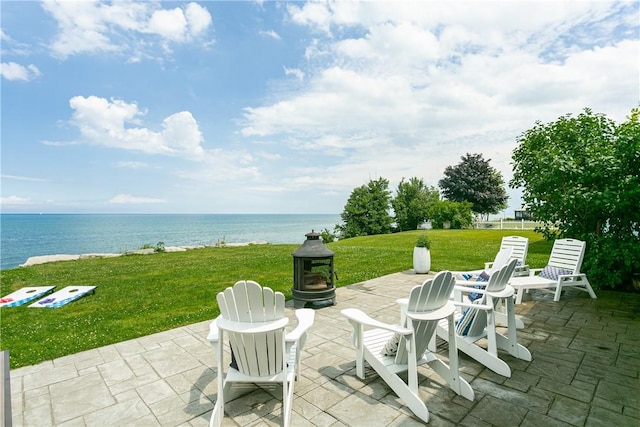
[471, 186]
[580, 177]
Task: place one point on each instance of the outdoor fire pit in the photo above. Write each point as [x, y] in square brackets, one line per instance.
[313, 274]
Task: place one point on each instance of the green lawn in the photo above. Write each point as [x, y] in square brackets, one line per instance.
[139, 295]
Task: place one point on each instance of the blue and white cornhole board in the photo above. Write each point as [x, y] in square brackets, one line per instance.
[63, 296]
[24, 295]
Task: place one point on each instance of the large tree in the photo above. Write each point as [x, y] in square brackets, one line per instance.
[474, 180]
[581, 176]
[367, 210]
[412, 203]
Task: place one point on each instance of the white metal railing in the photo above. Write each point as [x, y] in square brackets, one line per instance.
[504, 224]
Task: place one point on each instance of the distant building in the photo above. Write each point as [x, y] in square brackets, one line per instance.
[522, 214]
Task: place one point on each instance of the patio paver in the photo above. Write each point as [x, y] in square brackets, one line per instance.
[584, 372]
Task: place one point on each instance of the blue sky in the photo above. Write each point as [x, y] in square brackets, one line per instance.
[286, 107]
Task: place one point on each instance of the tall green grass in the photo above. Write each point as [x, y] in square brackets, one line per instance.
[139, 295]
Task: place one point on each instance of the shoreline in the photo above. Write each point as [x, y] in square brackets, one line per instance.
[28, 235]
[43, 259]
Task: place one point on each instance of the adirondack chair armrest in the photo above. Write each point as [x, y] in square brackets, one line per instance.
[251, 328]
[446, 310]
[469, 288]
[464, 288]
[471, 305]
[213, 331]
[358, 316]
[506, 292]
[305, 318]
[522, 270]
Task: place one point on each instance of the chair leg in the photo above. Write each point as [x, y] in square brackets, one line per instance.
[502, 320]
[401, 389]
[218, 413]
[287, 400]
[451, 373]
[218, 410]
[589, 288]
[515, 349]
[556, 296]
[359, 344]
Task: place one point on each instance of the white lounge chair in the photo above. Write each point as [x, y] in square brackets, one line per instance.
[519, 247]
[426, 306]
[502, 258]
[479, 318]
[253, 317]
[562, 271]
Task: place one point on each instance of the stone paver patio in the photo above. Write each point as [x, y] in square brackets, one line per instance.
[584, 372]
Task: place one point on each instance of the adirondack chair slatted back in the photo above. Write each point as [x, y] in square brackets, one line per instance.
[256, 354]
[497, 282]
[519, 246]
[567, 254]
[431, 295]
[502, 258]
[499, 279]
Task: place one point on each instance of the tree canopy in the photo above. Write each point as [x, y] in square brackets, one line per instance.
[474, 180]
[581, 176]
[412, 203]
[454, 214]
[367, 210]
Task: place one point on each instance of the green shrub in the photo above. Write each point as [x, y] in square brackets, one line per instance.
[328, 236]
[457, 214]
[423, 241]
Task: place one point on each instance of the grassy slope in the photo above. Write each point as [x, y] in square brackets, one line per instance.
[139, 295]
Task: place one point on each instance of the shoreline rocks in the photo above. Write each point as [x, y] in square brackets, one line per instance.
[42, 259]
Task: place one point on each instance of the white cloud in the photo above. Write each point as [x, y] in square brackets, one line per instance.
[22, 178]
[222, 166]
[13, 71]
[132, 165]
[82, 27]
[383, 89]
[169, 24]
[128, 199]
[14, 201]
[296, 72]
[111, 123]
[58, 143]
[271, 34]
[315, 14]
[198, 19]
[94, 26]
[402, 89]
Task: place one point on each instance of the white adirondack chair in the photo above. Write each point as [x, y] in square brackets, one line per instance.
[253, 318]
[562, 271]
[519, 247]
[479, 320]
[502, 258]
[426, 306]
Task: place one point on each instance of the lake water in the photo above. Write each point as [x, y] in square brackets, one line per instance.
[26, 235]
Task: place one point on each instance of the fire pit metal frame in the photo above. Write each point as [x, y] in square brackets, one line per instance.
[313, 273]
